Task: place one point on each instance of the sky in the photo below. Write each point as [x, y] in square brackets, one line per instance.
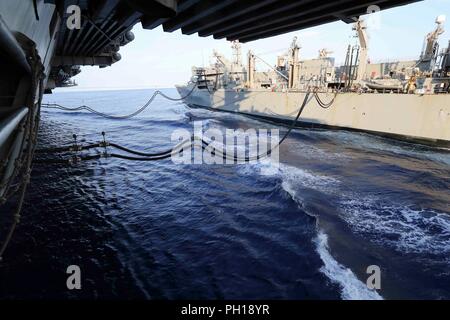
[156, 59]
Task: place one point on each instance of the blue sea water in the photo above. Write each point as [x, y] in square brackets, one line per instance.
[308, 229]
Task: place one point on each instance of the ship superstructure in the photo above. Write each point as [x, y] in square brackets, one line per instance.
[402, 99]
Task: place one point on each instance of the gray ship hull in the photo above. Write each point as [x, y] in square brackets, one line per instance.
[416, 118]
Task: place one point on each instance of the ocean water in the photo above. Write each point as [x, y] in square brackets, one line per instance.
[338, 203]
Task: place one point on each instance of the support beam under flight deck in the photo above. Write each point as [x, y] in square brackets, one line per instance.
[107, 23]
[310, 14]
[248, 20]
[245, 20]
[227, 14]
[200, 10]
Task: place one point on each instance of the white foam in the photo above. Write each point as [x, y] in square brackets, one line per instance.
[367, 141]
[400, 226]
[296, 178]
[268, 168]
[352, 288]
[293, 178]
[386, 223]
[309, 151]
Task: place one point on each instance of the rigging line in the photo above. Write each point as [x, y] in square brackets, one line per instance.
[119, 156]
[26, 136]
[205, 146]
[155, 156]
[138, 153]
[268, 153]
[77, 159]
[20, 159]
[320, 101]
[137, 112]
[32, 128]
[75, 147]
[270, 66]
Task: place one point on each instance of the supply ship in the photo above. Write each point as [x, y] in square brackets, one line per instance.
[407, 100]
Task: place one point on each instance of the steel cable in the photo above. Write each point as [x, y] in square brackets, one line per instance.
[320, 101]
[169, 153]
[131, 115]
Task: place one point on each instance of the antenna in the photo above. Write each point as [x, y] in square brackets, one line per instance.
[441, 19]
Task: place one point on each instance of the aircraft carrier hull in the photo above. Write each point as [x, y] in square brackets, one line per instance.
[422, 119]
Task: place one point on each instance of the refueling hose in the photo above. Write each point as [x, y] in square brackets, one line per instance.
[128, 116]
[322, 104]
[164, 154]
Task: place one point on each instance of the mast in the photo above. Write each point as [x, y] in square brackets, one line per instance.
[361, 28]
[294, 65]
[251, 70]
[431, 46]
[236, 48]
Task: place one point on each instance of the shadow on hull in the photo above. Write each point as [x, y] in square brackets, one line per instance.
[304, 123]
